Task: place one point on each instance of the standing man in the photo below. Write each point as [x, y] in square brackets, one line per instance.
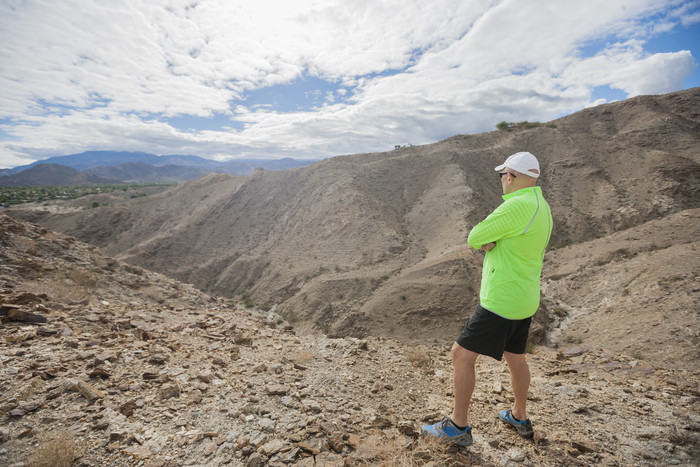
[514, 237]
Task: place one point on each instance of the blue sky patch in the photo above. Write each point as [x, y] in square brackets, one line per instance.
[302, 95]
[608, 93]
[190, 123]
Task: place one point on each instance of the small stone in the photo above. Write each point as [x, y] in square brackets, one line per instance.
[242, 442]
[515, 454]
[99, 426]
[127, 409]
[256, 460]
[88, 391]
[584, 446]
[25, 316]
[540, 436]
[308, 447]
[407, 427]
[336, 441]
[573, 352]
[209, 448]
[272, 447]
[100, 372]
[311, 405]
[205, 377]
[218, 362]
[103, 357]
[167, 392]
[196, 396]
[381, 421]
[277, 390]
[158, 359]
[27, 407]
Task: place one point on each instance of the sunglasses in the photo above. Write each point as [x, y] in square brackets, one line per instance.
[501, 174]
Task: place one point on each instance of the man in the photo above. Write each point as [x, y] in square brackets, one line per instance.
[514, 237]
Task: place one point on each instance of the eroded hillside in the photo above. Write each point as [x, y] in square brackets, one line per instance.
[375, 244]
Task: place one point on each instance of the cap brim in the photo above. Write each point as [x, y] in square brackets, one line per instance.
[500, 167]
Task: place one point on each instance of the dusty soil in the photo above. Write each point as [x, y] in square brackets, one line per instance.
[635, 292]
[133, 368]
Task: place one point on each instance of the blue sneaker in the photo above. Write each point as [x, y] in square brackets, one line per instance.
[447, 431]
[524, 427]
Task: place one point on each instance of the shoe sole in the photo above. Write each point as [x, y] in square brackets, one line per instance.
[527, 434]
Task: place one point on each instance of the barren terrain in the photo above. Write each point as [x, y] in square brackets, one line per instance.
[304, 317]
[375, 244]
[103, 363]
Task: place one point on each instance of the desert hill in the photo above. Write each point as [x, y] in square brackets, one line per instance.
[104, 363]
[55, 174]
[375, 244]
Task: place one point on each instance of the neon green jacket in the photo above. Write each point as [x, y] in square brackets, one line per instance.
[521, 227]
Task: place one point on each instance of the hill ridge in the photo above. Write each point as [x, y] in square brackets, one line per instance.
[337, 245]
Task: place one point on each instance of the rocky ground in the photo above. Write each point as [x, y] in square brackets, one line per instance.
[102, 363]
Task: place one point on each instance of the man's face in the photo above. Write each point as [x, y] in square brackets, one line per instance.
[507, 179]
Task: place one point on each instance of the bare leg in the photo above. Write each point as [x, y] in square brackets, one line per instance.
[520, 380]
[463, 362]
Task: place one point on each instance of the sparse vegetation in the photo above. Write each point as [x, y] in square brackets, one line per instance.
[58, 451]
[61, 291]
[508, 126]
[418, 356]
[292, 318]
[12, 195]
[247, 301]
[303, 356]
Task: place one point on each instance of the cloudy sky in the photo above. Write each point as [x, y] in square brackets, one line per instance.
[228, 79]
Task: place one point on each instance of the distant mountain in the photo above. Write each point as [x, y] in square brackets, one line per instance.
[91, 159]
[139, 172]
[54, 174]
[136, 167]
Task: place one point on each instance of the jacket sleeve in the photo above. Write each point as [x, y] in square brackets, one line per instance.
[506, 221]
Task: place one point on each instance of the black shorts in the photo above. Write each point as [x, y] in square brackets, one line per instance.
[487, 333]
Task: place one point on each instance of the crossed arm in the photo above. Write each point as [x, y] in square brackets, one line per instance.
[488, 246]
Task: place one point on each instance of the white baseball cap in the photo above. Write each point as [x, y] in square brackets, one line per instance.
[523, 162]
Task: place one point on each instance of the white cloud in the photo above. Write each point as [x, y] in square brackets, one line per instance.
[78, 76]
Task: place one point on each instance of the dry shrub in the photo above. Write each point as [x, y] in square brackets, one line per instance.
[61, 291]
[393, 449]
[60, 450]
[303, 356]
[418, 356]
[152, 292]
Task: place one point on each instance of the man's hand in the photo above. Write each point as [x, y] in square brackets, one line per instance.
[488, 246]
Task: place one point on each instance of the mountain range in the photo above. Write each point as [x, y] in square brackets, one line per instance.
[95, 167]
